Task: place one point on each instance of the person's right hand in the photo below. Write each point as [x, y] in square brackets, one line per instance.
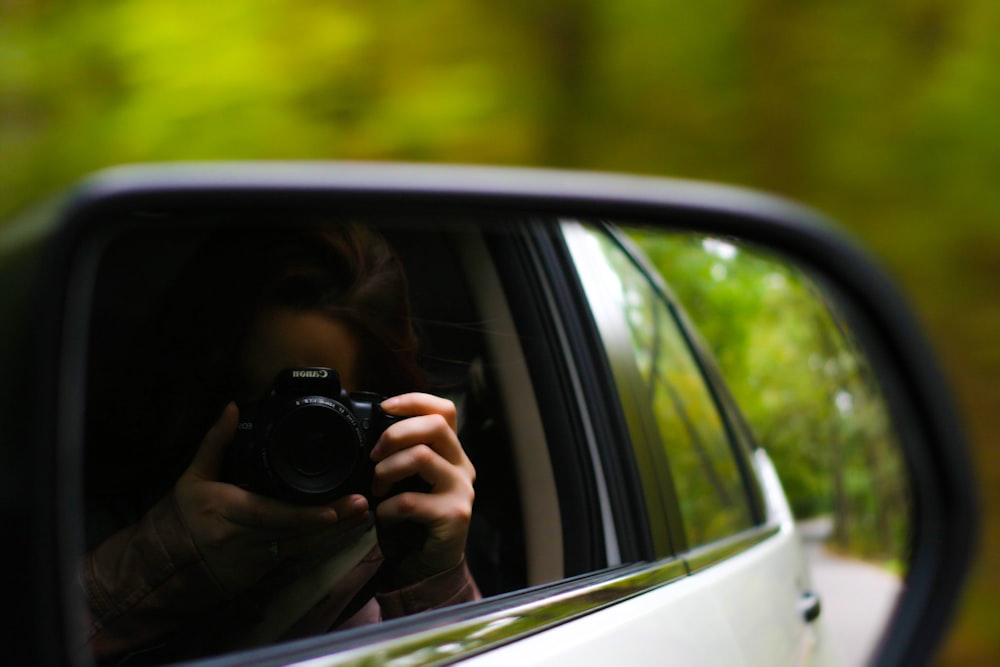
[242, 535]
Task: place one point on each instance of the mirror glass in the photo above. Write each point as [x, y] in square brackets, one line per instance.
[239, 446]
[793, 364]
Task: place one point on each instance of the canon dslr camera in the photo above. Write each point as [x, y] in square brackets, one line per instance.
[307, 441]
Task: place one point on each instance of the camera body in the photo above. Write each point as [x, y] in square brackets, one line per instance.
[307, 441]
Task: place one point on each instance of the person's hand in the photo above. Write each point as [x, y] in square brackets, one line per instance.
[426, 445]
[243, 535]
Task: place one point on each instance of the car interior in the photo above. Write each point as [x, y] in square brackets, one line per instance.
[471, 352]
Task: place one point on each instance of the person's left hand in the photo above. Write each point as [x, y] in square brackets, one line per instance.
[425, 445]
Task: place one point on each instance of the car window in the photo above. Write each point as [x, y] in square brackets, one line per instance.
[179, 313]
[685, 444]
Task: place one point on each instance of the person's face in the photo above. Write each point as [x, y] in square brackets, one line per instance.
[283, 338]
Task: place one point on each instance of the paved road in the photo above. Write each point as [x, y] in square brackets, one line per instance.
[856, 597]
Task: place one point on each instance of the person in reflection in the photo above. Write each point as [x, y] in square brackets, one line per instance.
[180, 562]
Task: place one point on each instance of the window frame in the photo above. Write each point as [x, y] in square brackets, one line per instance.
[611, 456]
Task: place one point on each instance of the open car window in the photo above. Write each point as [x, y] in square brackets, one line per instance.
[160, 336]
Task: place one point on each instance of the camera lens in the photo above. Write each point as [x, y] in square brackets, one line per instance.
[314, 455]
[314, 449]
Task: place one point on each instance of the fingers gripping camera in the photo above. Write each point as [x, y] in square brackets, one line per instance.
[307, 441]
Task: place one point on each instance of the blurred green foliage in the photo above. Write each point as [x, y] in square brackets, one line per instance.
[881, 114]
[806, 392]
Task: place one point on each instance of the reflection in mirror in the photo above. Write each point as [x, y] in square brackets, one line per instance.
[792, 363]
[238, 449]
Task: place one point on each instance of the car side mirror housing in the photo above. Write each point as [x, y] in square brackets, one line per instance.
[48, 266]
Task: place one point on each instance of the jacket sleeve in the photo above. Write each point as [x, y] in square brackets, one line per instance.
[144, 582]
[444, 589]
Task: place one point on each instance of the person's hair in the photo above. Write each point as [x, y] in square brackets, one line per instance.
[190, 352]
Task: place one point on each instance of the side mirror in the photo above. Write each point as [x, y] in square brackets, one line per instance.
[82, 274]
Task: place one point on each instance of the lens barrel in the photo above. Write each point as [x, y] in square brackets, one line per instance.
[307, 441]
[314, 448]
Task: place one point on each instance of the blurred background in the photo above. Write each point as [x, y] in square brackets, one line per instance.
[879, 114]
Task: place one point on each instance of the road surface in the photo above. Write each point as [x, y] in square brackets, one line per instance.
[857, 597]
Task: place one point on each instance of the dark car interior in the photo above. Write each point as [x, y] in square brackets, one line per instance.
[139, 263]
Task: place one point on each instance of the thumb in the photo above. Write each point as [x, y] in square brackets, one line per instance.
[208, 460]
